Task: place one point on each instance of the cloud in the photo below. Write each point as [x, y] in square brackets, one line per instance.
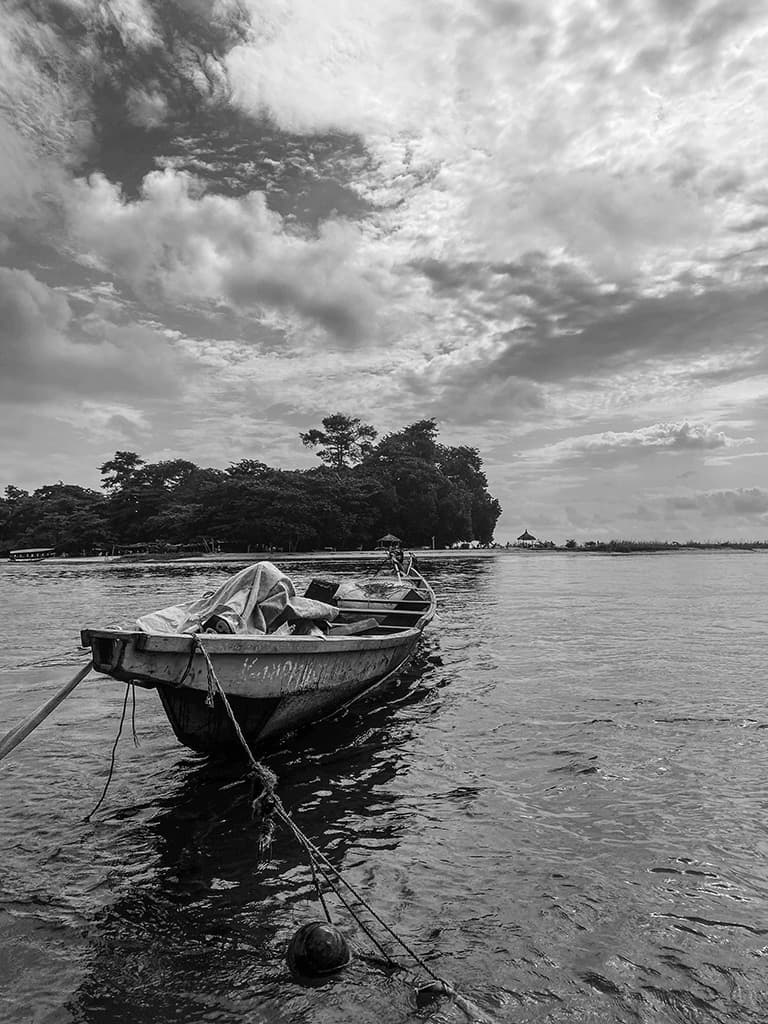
[613, 221]
[33, 319]
[716, 22]
[24, 176]
[134, 21]
[75, 73]
[111, 421]
[180, 243]
[749, 503]
[492, 105]
[146, 107]
[464, 395]
[315, 68]
[631, 451]
[577, 339]
[45, 355]
[668, 437]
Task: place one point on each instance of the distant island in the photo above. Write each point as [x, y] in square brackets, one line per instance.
[405, 485]
[527, 542]
[637, 546]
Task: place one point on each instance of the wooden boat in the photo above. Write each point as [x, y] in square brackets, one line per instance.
[274, 682]
[31, 554]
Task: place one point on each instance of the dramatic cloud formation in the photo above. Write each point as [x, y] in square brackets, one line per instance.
[543, 222]
[177, 242]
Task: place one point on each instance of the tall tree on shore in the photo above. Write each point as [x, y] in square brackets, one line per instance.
[416, 441]
[344, 440]
[119, 470]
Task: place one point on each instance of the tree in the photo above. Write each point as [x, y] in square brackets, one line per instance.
[440, 491]
[17, 517]
[119, 470]
[64, 516]
[249, 468]
[417, 441]
[485, 514]
[344, 441]
[464, 465]
[14, 495]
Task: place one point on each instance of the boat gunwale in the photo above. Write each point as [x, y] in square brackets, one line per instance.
[249, 644]
[274, 643]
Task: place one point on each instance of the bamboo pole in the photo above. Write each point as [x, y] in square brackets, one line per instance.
[23, 729]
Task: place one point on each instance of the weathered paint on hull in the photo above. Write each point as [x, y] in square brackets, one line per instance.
[273, 686]
[209, 730]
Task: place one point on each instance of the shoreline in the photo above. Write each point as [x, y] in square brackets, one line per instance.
[374, 555]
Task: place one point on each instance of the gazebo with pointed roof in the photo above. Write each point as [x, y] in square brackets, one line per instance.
[389, 540]
[526, 539]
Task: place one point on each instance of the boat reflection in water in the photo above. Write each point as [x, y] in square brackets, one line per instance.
[200, 934]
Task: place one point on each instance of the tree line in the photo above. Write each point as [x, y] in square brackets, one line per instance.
[405, 483]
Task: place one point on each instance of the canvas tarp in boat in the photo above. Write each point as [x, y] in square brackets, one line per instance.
[254, 600]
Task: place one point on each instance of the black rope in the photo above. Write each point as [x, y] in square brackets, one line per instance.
[350, 909]
[323, 863]
[188, 666]
[319, 891]
[112, 760]
[133, 717]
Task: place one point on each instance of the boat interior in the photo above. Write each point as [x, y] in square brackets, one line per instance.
[374, 609]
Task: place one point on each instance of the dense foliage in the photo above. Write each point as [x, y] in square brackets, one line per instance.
[407, 484]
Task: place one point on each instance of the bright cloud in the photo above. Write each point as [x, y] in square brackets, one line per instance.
[178, 242]
[669, 437]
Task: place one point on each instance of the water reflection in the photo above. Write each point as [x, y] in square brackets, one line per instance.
[211, 919]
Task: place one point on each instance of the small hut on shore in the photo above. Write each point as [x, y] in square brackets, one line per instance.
[389, 540]
[526, 540]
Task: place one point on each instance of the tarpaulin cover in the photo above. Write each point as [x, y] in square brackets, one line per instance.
[251, 601]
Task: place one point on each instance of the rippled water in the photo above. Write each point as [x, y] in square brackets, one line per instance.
[563, 807]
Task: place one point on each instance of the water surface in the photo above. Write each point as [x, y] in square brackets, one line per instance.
[562, 807]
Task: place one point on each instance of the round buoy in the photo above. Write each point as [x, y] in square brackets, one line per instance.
[317, 948]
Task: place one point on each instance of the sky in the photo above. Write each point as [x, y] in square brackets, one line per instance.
[543, 223]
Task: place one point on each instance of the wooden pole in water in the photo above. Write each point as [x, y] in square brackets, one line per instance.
[15, 736]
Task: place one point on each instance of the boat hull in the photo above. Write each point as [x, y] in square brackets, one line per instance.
[274, 685]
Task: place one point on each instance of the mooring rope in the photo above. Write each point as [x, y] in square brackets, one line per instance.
[133, 717]
[69, 656]
[319, 891]
[269, 781]
[128, 689]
